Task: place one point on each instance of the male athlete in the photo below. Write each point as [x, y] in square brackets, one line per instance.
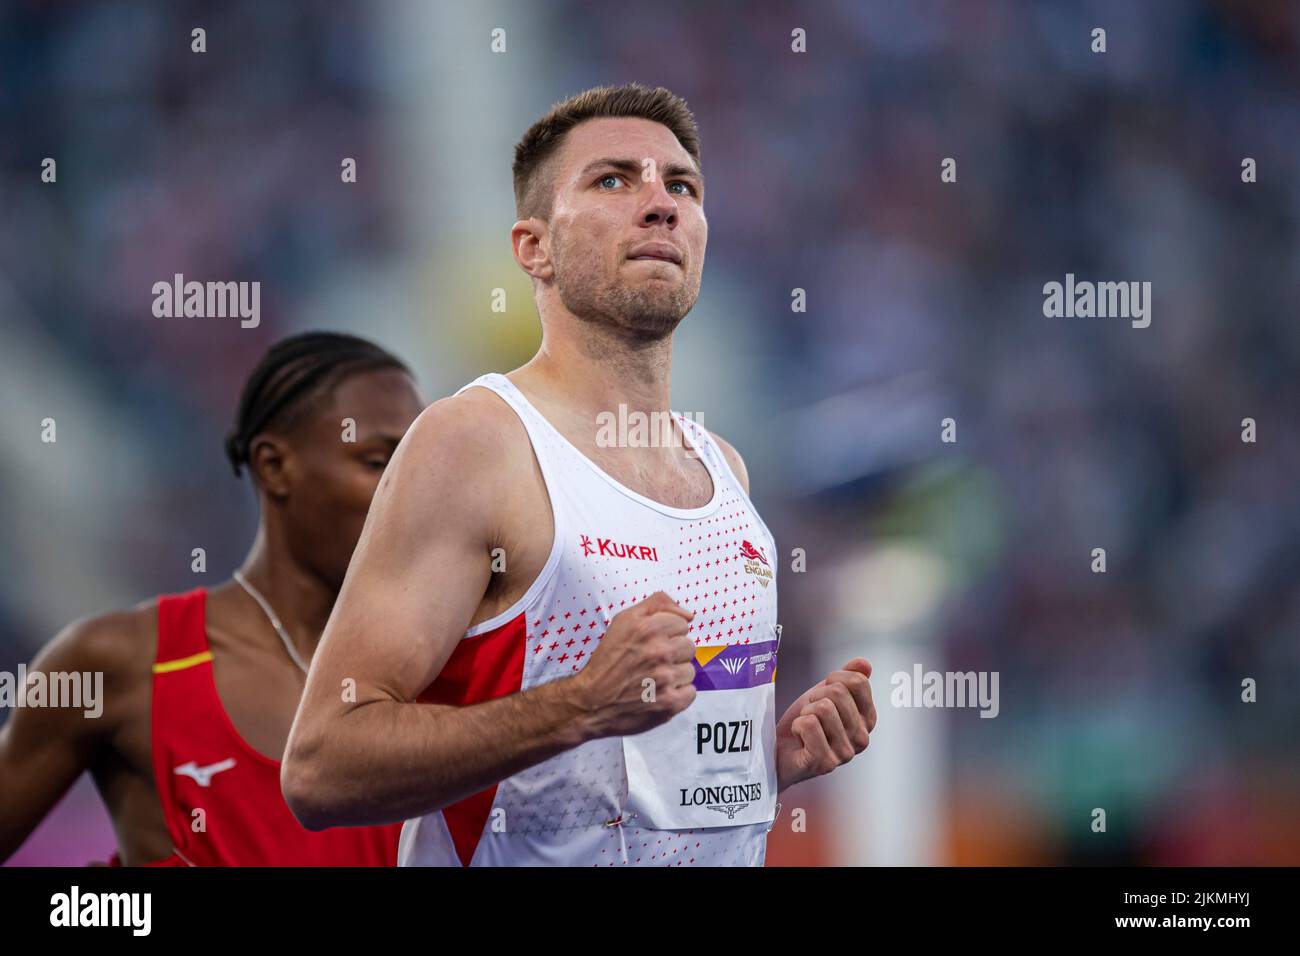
[201, 687]
[563, 652]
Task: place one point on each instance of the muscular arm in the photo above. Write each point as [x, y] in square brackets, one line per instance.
[419, 572]
[43, 750]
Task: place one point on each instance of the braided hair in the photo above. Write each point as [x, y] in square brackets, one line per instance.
[295, 370]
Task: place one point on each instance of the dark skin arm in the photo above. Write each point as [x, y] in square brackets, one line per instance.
[43, 750]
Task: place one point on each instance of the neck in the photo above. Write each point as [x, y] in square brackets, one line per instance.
[597, 368]
[299, 598]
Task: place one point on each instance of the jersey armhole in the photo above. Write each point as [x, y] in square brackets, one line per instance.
[557, 526]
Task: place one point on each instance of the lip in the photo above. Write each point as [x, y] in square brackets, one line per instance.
[658, 251]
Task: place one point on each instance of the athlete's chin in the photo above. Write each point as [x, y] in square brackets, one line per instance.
[652, 328]
[668, 296]
[649, 317]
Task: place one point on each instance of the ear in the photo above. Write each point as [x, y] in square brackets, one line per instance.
[531, 239]
[268, 460]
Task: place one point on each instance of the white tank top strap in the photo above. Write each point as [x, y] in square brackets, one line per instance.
[547, 445]
[699, 437]
[711, 453]
[540, 433]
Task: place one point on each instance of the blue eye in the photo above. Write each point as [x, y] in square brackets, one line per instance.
[609, 178]
[688, 191]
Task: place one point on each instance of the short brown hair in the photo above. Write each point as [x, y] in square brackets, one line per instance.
[545, 136]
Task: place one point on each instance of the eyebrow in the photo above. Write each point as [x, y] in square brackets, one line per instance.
[380, 438]
[671, 171]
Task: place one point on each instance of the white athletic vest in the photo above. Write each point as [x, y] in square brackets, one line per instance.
[697, 790]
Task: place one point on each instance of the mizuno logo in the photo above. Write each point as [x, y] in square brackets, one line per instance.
[203, 775]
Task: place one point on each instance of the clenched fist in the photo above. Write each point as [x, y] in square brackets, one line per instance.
[827, 726]
[641, 674]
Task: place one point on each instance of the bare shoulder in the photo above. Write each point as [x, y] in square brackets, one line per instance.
[460, 460]
[468, 433]
[118, 643]
[733, 459]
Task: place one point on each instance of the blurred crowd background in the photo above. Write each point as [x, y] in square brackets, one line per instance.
[924, 299]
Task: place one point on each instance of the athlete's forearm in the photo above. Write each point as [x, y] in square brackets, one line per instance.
[385, 760]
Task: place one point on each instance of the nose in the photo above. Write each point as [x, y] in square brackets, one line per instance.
[660, 207]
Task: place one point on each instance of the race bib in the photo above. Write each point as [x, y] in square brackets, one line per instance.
[714, 764]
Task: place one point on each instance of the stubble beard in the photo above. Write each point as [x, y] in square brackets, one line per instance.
[647, 312]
